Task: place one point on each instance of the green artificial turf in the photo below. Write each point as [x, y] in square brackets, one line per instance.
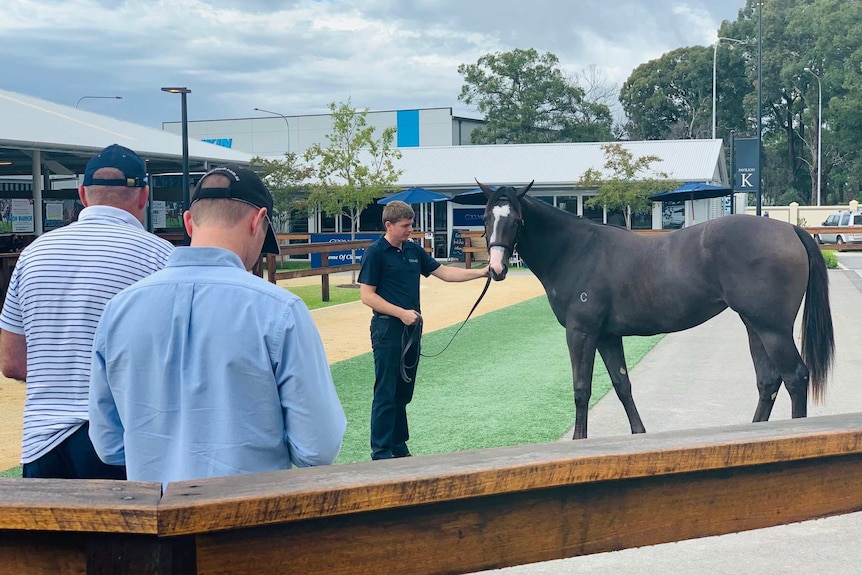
[14, 472]
[505, 380]
[313, 296]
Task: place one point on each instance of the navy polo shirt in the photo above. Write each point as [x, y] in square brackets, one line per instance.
[395, 272]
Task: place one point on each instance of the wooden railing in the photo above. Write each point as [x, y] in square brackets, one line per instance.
[323, 248]
[448, 513]
[841, 230]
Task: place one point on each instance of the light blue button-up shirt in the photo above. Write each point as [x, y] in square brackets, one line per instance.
[204, 370]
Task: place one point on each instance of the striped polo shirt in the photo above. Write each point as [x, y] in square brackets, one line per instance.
[56, 295]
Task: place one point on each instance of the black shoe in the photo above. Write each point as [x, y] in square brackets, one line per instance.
[382, 455]
[401, 452]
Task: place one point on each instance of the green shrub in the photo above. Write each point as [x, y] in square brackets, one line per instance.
[831, 258]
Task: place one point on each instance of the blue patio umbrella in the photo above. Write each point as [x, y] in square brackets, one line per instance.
[691, 191]
[475, 197]
[415, 196]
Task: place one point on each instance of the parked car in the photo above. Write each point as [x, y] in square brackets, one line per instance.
[843, 218]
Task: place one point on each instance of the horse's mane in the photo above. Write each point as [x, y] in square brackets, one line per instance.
[546, 210]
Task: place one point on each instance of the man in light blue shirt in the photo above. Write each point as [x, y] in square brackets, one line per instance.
[205, 370]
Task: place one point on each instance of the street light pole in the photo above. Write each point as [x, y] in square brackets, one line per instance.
[82, 98]
[819, 128]
[714, 59]
[285, 121]
[183, 92]
[758, 200]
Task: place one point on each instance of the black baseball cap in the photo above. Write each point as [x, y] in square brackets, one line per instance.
[245, 186]
[121, 158]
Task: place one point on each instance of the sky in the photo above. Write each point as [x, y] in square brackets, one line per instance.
[296, 57]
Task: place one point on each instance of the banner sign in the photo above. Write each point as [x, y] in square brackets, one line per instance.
[343, 257]
[474, 217]
[747, 165]
[16, 216]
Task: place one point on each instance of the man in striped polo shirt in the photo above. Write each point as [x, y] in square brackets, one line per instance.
[56, 295]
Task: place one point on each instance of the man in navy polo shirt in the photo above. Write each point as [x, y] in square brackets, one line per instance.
[389, 285]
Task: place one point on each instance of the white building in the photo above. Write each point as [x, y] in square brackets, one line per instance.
[273, 134]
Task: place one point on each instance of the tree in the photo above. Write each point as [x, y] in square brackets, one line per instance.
[286, 179]
[822, 35]
[354, 168]
[526, 99]
[671, 97]
[629, 184]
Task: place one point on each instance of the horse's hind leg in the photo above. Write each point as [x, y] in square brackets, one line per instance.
[582, 353]
[614, 357]
[775, 359]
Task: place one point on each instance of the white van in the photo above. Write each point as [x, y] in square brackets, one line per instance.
[842, 219]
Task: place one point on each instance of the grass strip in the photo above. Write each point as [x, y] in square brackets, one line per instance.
[505, 380]
[313, 297]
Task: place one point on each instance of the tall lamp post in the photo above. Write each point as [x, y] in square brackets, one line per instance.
[183, 92]
[82, 98]
[714, 60]
[758, 200]
[285, 121]
[819, 128]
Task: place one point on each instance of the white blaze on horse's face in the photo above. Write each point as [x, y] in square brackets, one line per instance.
[497, 253]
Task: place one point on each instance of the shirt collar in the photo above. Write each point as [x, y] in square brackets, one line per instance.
[204, 256]
[108, 213]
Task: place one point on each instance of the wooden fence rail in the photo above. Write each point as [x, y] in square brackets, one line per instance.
[448, 513]
[323, 248]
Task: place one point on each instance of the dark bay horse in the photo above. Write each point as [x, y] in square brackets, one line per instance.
[605, 282]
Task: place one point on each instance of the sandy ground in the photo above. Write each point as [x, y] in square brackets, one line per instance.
[344, 329]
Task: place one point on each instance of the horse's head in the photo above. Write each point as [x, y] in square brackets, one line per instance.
[503, 220]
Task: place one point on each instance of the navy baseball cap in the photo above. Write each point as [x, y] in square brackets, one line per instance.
[123, 159]
[245, 186]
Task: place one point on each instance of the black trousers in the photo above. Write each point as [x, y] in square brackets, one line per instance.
[392, 393]
[75, 458]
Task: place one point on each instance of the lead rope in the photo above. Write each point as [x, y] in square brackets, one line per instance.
[411, 337]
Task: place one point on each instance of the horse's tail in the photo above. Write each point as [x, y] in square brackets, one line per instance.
[818, 338]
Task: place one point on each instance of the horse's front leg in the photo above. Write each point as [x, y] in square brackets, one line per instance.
[582, 352]
[611, 348]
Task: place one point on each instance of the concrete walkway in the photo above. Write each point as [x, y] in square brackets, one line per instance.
[704, 377]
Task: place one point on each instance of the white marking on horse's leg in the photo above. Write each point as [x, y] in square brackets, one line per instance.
[622, 371]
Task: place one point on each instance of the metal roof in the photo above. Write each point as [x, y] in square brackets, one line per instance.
[69, 137]
[552, 165]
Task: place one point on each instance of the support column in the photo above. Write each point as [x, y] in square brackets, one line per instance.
[37, 193]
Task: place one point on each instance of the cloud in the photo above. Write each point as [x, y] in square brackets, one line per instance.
[296, 57]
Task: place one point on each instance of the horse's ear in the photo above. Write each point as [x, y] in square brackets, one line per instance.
[488, 191]
[523, 192]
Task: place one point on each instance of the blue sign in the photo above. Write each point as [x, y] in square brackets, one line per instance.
[223, 142]
[474, 217]
[343, 257]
